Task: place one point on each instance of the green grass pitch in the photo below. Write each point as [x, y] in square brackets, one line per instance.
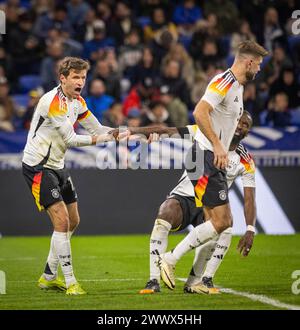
[114, 268]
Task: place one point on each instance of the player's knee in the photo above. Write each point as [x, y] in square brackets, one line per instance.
[74, 222]
[170, 211]
[60, 218]
[222, 222]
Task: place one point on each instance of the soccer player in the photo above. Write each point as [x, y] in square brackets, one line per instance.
[179, 210]
[51, 133]
[217, 115]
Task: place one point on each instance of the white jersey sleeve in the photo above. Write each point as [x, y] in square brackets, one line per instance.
[217, 89]
[57, 114]
[192, 131]
[248, 167]
[88, 121]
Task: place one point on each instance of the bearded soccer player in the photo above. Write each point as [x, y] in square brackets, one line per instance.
[217, 115]
[51, 133]
[179, 211]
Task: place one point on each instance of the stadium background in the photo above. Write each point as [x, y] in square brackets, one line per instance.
[141, 54]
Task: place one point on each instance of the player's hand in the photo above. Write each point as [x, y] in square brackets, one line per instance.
[120, 135]
[245, 243]
[220, 156]
[153, 137]
[98, 139]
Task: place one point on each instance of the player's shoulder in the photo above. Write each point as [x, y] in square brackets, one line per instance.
[246, 158]
[53, 95]
[222, 82]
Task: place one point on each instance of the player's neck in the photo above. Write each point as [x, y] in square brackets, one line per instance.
[68, 95]
[238, 73]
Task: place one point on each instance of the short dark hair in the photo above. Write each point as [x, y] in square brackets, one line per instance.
[72, 63]
[250, 47]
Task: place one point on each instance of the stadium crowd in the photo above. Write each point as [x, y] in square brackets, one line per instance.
[150, 60]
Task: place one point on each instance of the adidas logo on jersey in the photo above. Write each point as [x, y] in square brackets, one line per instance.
[236, 99]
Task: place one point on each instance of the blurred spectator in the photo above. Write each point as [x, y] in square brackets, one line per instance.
[114, 116]
[40, 7]
[25, 48]
[77, 10]
[273, 67]
[278, 112]
[159, 24]
[35, 96]
[206, 28]
[103, 71]
[157, 114]
[98, 101]
[147, 68]
[7, 107]
[226, 12]
[210, 54]
[58, 18]
[134, 118]
[48, 71]
[272, 30]
[92, 49]
[253, 102]
[244, 33]
[185, 16]
[123, 22]
[172, 78]
[139, 95]
[287, 84]
[130, 54]
[161, 44]
[178, 53]
[8, 69]
[104, 11]
[177, 109]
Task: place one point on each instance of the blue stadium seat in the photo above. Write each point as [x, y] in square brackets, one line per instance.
[295, 116]
[29, 82]
[21, 99]
[144, 21]
[293, 41]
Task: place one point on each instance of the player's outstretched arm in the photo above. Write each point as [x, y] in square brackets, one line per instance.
[246, 242]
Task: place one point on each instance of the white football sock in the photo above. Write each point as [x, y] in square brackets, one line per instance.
[158, 245]
[221, 249]
[202, 255]
[62, 247]
[198, 236]
[50, 271]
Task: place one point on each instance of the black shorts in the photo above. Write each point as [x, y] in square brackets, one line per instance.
[191, 214]
[210, 183]
[49, 186]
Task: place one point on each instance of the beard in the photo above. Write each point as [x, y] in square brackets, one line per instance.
[250, 75]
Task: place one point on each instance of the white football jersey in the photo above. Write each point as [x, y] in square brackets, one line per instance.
[225, 94]
[240, 164]
[52, 132]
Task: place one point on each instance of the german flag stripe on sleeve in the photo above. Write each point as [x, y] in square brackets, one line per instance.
[57, 107]
[222, 85]
[84, 115]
